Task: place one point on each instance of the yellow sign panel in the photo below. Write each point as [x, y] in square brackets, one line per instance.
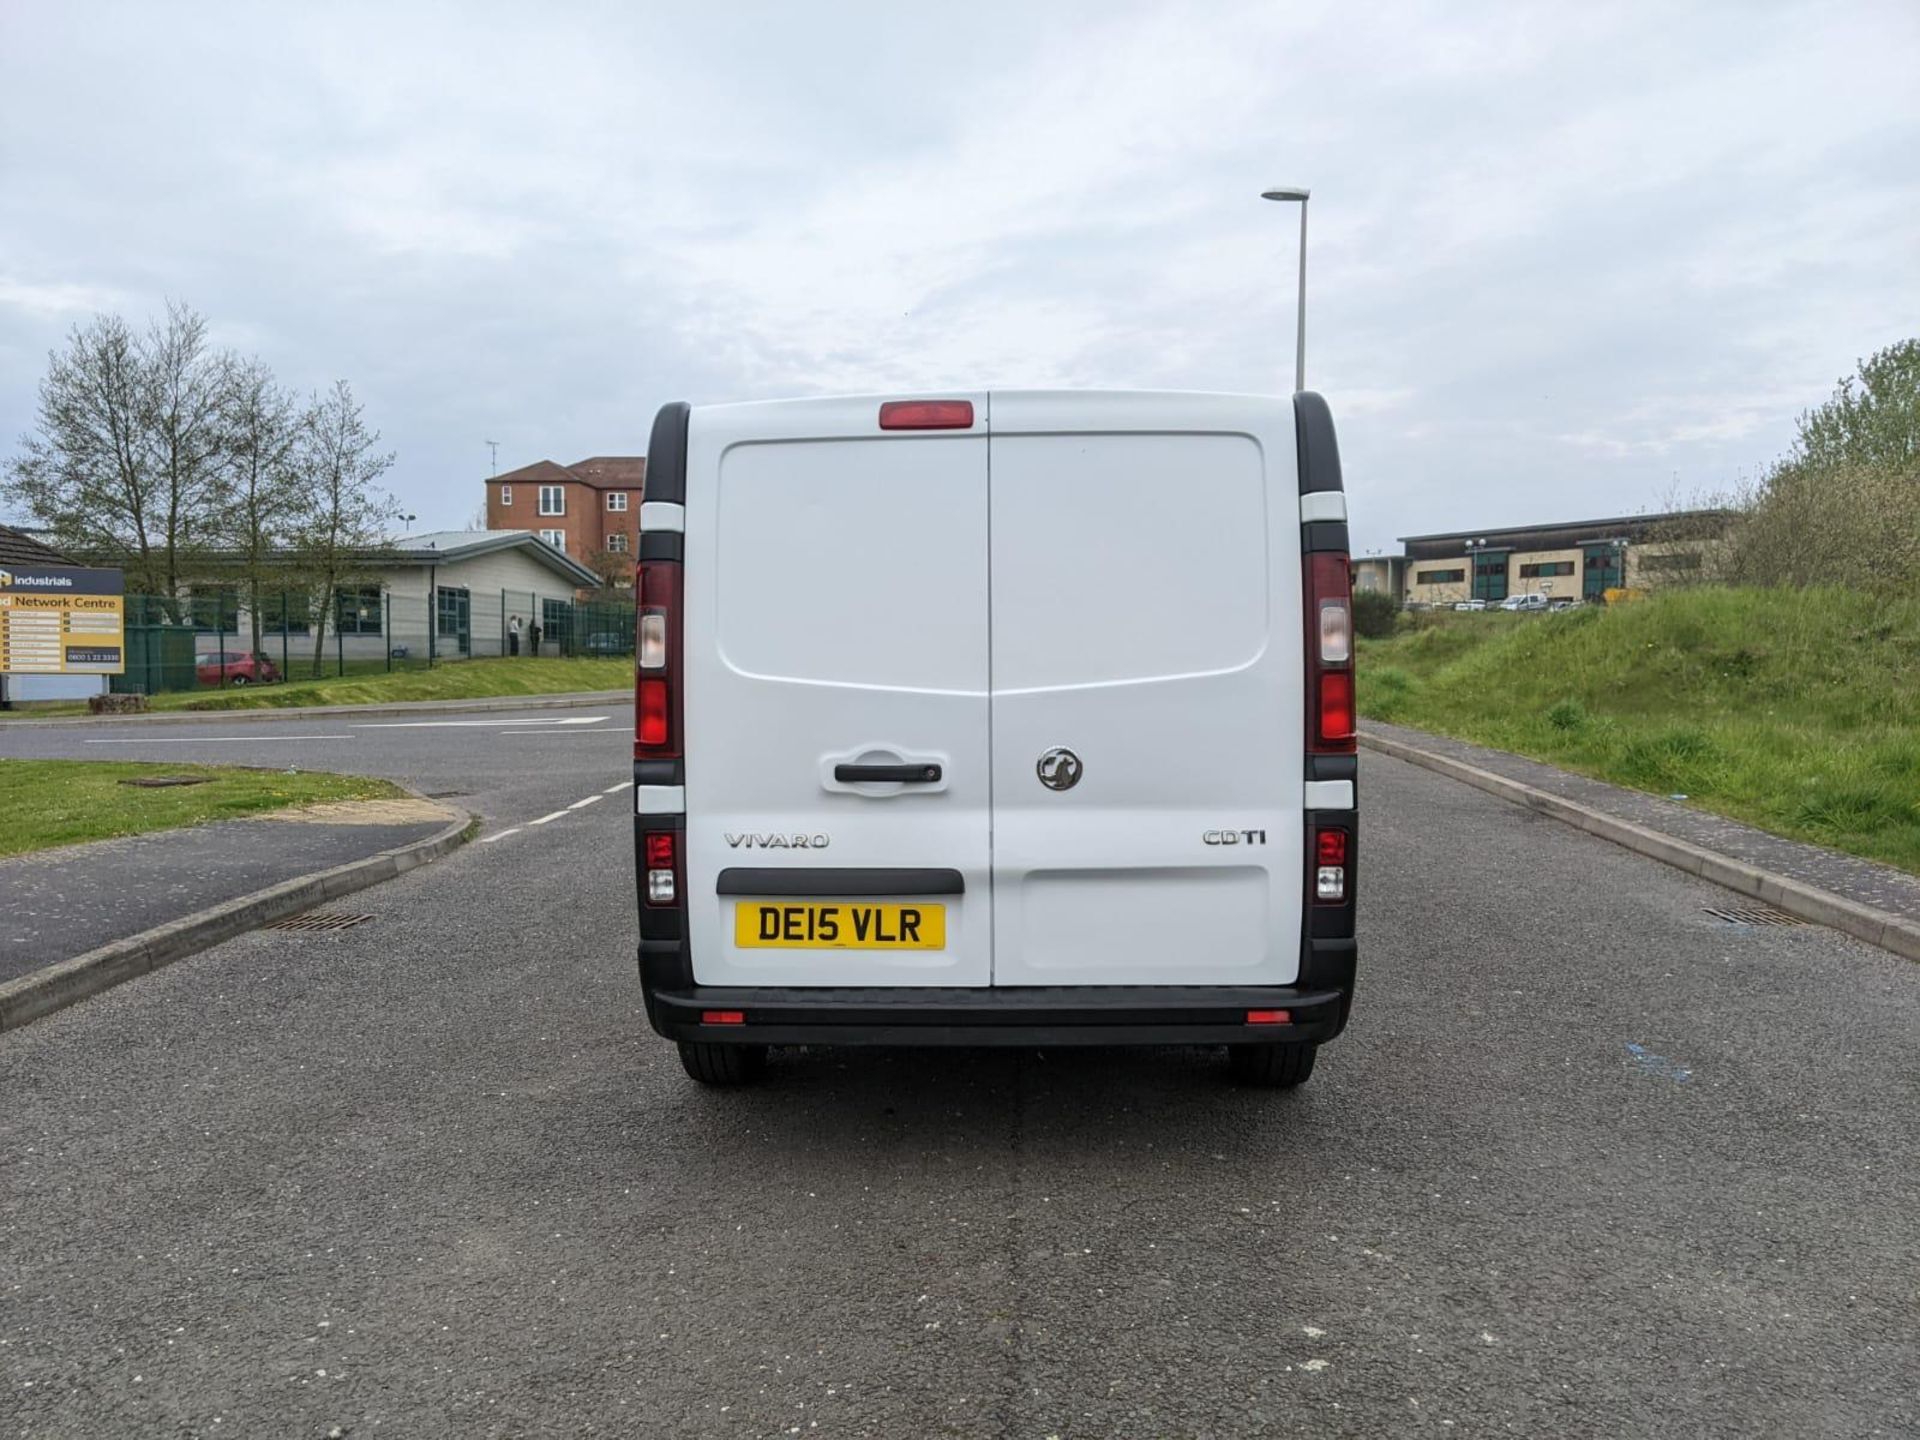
[61, 620]
[838, 925]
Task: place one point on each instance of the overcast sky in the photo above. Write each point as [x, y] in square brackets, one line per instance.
[1567, 260]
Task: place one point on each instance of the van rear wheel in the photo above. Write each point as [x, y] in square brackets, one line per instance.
[723, 1064]
[1274, 1067]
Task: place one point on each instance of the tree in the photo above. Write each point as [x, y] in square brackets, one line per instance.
[1873, 419]
[260, 491]
[614, 569]
[124, 462]
[342, 512]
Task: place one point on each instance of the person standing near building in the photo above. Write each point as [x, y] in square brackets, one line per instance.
[513, 635]
[533, 637]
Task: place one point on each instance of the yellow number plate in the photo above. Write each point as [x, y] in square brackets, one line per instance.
[838, 925]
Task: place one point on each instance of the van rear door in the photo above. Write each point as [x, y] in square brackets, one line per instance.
[837, 780]
[1148, 703]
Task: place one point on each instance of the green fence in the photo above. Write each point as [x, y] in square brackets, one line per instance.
[211, 639]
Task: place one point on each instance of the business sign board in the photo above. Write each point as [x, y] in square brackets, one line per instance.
[62, 620]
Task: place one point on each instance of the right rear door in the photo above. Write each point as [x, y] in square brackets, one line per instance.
[1146, 621]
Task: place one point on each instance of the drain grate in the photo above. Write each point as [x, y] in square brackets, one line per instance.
[1753, 915]
[319, 920]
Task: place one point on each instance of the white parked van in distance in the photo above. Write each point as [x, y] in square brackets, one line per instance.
[996, 718]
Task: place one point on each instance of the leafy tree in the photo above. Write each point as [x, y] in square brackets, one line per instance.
[342, 511]
[1873, 418]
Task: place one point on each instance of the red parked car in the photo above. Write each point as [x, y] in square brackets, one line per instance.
[234, 667]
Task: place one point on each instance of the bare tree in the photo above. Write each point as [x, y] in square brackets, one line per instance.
[260, 490]
[124, 463]
[343, 513]
[86, 473]
[185, 397]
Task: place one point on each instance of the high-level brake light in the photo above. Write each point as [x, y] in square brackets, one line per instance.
[926, 415]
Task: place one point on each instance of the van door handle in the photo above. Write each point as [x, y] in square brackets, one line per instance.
[899, 774]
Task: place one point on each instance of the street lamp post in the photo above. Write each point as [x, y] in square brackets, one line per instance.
[1300, 193]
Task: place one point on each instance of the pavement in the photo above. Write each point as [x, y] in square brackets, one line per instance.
[1588, 1162]
[55, 904]
[1881, 886]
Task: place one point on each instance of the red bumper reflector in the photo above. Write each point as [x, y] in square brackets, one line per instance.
[723, 1017]
[926, 415]
[1269, 1017]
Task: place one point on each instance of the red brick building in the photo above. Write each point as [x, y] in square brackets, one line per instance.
[588, 508]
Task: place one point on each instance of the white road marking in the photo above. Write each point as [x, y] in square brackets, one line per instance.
[218, 739]
[545, 818]
[499, 835]
[590, 800]
[589, 734]
[616, 789]
[473, 724]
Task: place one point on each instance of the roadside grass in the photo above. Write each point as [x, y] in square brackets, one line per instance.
[1796, 711]
[44, 803]
[454, 680]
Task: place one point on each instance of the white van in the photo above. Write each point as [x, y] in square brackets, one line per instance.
[1009, 718]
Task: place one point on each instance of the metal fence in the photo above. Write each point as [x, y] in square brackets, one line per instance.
[214, 641]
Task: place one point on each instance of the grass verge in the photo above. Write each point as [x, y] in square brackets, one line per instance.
[44, 803]
[455, 680]
[1796, 711]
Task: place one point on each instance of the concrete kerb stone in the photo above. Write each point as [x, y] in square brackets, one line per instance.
[569, 700]
[1805, 902]
[57, 986]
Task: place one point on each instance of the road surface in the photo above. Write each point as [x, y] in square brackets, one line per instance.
[1588, 1162]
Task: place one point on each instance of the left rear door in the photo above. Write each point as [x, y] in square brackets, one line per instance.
[836, 616]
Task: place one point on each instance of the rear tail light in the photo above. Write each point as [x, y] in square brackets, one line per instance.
[1330, 866]
[926, 415]
[662, 851]
[656, 689]
[1330, 714]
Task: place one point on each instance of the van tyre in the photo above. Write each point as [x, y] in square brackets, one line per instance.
[1272, 1067]
[723, 1064]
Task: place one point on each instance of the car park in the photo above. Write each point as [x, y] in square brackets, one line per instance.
[909, 769]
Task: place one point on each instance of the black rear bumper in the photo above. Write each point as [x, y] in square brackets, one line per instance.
[1052, 1015]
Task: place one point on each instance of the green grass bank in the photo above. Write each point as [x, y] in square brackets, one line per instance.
[44, 803]
[1794, 710]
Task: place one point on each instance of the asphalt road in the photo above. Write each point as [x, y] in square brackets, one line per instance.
[1588, 1162]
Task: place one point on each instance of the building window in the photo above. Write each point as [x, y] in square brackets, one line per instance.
[506, 495]
[1440, 577]
[357, 610]
[284, 611]
[617, 500]
[553, 500]
[1546, 567]
[617, 543]
[556, 624]
[555, 538]
[453, 616]
[1673, 560]
[214, 607]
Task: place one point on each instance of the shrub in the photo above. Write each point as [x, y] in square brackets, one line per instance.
[1374, 614]
[1566, 714]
